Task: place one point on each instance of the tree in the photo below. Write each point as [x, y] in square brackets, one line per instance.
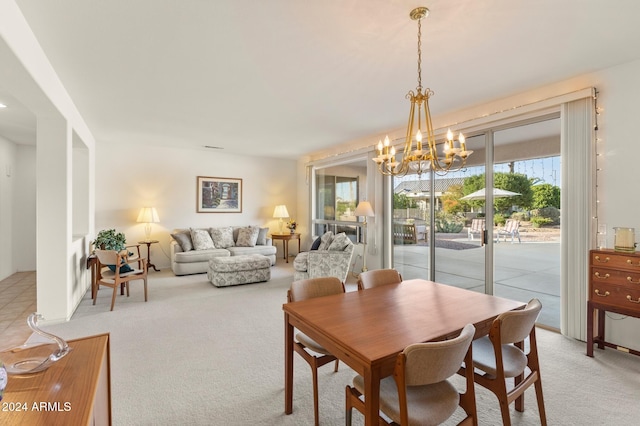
[401, 201]
[546, 195]
[514, 182]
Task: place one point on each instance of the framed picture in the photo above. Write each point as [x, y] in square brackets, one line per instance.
[219, 195]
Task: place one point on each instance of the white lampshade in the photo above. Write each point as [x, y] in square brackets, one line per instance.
[364, 209]
[148, 215]
[280, 211]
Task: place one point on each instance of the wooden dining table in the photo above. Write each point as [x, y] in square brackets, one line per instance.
[367, 329]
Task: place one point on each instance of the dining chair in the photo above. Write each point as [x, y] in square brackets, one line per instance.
[377, 277]
[501, 356]
[119, 273]
[419, 392]
[304, 345]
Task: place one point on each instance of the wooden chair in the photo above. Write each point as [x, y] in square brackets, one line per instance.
[308, 289]
[511, 227]
[421, 393]
[377, 277]
[501, 355]
[116, 278]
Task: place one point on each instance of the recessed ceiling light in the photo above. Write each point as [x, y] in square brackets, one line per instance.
[2, 105]
[213, 147]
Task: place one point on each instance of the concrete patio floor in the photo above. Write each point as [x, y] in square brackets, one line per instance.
[522, 271]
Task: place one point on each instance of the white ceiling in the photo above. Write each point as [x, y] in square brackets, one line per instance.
[282, 78]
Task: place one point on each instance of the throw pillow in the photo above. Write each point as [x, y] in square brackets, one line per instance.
[248, 236]
[262, 237]
[124, 268]
[201, 239]
[222, 237]
[339, 242]
[316, 244]
[325, 240]
[183, 238]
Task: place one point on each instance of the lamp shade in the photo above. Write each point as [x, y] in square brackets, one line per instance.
[280, 211]
[364, 209]
[148, 215]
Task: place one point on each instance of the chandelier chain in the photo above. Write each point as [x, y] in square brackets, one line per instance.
[419, 54]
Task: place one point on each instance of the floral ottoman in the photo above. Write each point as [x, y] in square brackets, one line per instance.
[244, 269]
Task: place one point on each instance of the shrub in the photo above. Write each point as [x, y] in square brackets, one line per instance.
[449, 227]
[549, 213]
[539, 221]
[499, 219]
[521, 216]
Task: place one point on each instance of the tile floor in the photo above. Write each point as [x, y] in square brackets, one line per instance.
[17, 301]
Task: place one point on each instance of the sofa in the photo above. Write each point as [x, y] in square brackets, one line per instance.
[330, 256]
[192, 248]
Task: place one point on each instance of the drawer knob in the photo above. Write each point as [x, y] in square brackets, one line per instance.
[606, 259]
[603, 277]
[606, 293]
[631, 300]
[632, 281]
[630, 262]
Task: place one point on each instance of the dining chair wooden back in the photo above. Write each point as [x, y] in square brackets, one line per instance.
[377, 277]
[419, 392]
[306, 347]
[117, 275]
[502, 356]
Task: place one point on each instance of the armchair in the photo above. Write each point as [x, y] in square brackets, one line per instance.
[332, 261]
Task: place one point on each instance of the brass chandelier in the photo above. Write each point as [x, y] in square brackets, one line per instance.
[420, 157]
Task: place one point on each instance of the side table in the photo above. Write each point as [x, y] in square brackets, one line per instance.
[148, 243]
[285, 238]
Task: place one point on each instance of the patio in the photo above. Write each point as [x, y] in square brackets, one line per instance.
[521, 272]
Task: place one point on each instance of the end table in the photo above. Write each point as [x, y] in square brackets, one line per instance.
[148, 243]
[285, 238]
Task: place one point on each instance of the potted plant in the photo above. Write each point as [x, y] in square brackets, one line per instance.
[109, 239]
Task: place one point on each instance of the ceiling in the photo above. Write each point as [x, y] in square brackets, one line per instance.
[284, 78]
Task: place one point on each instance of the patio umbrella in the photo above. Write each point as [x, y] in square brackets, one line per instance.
[497, 193]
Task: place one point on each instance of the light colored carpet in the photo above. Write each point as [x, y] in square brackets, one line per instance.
[195, 354]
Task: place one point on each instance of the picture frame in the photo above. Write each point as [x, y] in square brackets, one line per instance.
[218, 195]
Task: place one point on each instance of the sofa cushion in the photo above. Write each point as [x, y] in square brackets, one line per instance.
[301, 262]
[195, 256]
[248, 236]
[222, 237]
[184, 239]
[201, 239]
[262, 237]
[263, 250]
[339, 242]
[325, 240]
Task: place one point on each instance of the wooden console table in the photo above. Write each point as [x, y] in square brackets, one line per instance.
[285, 242]
[74, 391]
[614, 286]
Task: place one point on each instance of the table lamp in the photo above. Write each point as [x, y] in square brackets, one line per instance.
[148, 215]
[281, 212]
[364, 209]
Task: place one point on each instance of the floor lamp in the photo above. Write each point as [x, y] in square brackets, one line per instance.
[364, 209]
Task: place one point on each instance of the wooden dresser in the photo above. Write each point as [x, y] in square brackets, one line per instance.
[74, 391]
[614, 286]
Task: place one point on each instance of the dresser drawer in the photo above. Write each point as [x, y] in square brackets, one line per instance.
[615, 276]
[626, 297]
[616, 261]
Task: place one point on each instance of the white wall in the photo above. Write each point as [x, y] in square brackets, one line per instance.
[131, 177]
[7, 188]
[24, 209]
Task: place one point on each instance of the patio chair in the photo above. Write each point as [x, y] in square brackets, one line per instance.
[511, 227]
[477, 227]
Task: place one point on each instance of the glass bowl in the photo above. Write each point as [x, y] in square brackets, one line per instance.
[34, 355]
